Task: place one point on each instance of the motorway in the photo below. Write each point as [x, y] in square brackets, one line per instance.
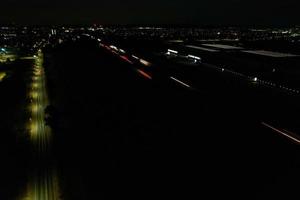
[43, 181]
[184, 73]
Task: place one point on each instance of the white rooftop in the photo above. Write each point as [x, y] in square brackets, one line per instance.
[270, 53]
[223, 46]
[202, 48]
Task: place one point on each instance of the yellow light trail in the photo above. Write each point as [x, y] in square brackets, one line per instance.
[35, 108]
[35, 78]
[33, 95]
[35, 85]
[43, 187]
[43, 183]
[2, 75]
[33, 129]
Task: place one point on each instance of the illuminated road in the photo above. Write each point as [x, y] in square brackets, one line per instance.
[43, 181]
[2, 76]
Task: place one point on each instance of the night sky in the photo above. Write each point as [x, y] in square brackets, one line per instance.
[198, 12]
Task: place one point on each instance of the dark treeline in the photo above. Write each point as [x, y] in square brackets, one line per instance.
[14, 147]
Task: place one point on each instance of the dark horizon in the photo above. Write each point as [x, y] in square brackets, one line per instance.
[189, 12]
[204, 26]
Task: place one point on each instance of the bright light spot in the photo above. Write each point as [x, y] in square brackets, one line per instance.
[122, 51]
[113, 47]
[35, 78]
[255, 79]
[144, 74]
[33, 95]
[135, 57]
[34, 108]
[144, 62]
[33, 128]
[2, 75]
[35, 85]
[194, 57]
[37, 73]
[172, 51]
[180, 82]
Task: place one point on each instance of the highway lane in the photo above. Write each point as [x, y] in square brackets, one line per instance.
[193, 75]
[206, 145]
[292, 136]
[40, 133]
[43, 181]
[188, 61]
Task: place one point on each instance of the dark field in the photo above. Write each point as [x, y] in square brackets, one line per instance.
[120, 134]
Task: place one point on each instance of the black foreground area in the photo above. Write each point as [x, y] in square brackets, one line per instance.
[117, 134]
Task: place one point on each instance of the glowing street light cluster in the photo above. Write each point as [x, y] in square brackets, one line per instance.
[35, 107]
[33, 95]
[2, 75]
[43, 184]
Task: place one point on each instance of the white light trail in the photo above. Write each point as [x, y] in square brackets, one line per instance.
[180, 82]
[288, 135]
